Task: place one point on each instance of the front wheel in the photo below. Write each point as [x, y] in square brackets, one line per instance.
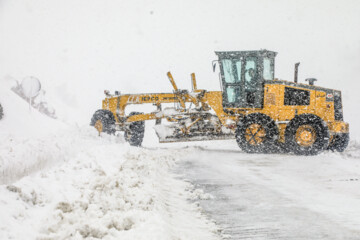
[257, 133]
[135, 132]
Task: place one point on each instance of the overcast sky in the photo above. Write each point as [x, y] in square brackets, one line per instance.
[78, 48]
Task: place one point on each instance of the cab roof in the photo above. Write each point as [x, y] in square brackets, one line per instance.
[253, 53]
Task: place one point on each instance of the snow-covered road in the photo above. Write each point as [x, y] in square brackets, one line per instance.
[258, 196]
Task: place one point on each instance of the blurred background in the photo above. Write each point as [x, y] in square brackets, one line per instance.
[78, 48]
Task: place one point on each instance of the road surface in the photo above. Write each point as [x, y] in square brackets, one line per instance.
[258, 196]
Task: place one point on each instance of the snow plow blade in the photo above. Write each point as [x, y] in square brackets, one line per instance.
[166, 135]
[191, 138]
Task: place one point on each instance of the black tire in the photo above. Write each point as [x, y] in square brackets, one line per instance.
[319, 140]
[107, 120]
[252, 142]
[1, 112]
[340, 142]
[134, 134]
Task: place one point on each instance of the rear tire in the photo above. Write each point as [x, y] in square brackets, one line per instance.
[104, 121]
[340, 142]
[257, 133]
[307, 134]
[135, 132]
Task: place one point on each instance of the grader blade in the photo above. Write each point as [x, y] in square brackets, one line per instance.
[190, 138]
[167, 134]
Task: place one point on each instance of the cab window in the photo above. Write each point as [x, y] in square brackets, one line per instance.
[268, 71]
[250, 74]
[228, 71]
[233, 94]
[238, 70]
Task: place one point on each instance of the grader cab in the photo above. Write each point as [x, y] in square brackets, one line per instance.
[262, 113]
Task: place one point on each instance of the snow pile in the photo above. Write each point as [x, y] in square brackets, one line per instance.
[103, 189]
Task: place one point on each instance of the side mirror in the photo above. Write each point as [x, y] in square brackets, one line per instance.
[214, 65]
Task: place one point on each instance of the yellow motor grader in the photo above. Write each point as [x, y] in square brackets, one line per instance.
[262, 113]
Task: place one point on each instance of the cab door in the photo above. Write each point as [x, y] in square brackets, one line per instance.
[253, 89]
[232, 82]
[242, 83]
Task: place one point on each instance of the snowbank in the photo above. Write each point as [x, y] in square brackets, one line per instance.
[106, 190]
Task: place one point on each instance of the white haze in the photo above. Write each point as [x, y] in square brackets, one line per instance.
[78, 48]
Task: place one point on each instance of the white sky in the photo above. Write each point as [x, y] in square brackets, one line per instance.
[77, 48]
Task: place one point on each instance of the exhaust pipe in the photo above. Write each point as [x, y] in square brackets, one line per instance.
[296, 72]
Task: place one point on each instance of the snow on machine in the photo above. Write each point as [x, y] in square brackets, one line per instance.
[261, 112]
